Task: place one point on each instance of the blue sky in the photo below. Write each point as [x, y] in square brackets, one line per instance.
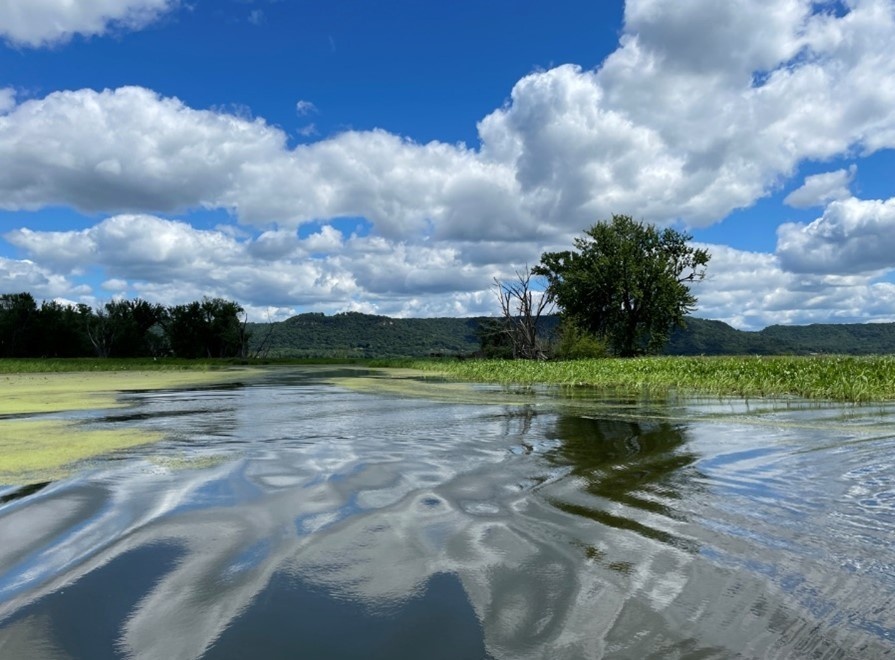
[394, 157]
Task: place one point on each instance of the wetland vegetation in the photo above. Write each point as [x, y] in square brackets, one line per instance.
[833, 378]
[842, 378]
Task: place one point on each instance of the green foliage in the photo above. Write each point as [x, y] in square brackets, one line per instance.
[61, 330]
[494, 339]
[18, 322]
[120, 329]
[208, 329]
[52, 330]
[575, 344]
[127, 328]
[627, 282]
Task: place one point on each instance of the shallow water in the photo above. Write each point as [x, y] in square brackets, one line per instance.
[291, 517]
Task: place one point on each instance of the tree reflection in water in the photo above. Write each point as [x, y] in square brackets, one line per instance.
[634, 473]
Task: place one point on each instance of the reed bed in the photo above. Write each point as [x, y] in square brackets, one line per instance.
[834, 378]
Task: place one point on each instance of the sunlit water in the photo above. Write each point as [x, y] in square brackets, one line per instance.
[290, 518]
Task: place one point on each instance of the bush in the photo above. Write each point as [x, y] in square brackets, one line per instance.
[576, 344]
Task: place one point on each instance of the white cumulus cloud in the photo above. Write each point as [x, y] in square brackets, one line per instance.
[19, 276]
[7, 99]
[662, 130]
[171, 261]
[704, 108]
[852, 236]
[819, 189]
[751, 290]
[38, 23]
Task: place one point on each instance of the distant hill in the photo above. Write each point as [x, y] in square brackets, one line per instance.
[353, 334]
[704, 337]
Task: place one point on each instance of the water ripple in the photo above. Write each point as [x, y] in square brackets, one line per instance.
[313, 517]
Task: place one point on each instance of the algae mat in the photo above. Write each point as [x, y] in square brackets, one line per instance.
[34, 449]
[58, 392]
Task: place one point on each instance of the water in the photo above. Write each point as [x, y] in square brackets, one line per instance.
[295, 518]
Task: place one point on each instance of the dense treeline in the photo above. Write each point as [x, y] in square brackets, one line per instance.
[212, 328]
[209, 328]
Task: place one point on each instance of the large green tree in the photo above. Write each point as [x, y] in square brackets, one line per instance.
[127, 328]
[212, 328]
[18, 323]
[626, 282]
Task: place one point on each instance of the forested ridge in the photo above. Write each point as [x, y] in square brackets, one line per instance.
[217, 328]
[363, 335]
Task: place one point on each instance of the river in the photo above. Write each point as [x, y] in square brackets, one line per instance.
[297, 516]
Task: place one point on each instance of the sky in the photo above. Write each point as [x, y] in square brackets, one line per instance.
[396, 156]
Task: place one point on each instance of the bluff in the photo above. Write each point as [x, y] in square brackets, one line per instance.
[356, 335]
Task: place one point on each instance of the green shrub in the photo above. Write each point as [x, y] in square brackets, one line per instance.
[575, 344]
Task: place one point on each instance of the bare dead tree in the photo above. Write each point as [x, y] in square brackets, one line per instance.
[263, 347]
[98, 327]
[522, 308]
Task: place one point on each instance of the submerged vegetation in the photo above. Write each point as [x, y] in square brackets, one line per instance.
[834, 378]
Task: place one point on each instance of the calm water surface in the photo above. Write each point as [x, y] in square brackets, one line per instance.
[294, 518]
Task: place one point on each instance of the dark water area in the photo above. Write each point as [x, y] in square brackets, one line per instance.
[296, 518]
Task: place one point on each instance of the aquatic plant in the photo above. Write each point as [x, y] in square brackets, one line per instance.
[835, 378]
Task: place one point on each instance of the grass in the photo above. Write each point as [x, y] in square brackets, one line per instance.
[833, 378]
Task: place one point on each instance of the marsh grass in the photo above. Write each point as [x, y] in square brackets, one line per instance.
[833, 378]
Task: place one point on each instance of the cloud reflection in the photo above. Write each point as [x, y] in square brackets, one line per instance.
[504, 522]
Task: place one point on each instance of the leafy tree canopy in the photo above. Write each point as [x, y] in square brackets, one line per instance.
[626, 282]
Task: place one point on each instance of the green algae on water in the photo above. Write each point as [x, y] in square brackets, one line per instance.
[45, 450]
[29, 393]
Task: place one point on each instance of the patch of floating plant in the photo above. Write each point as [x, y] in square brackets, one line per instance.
[190, 462]
[47, 450]
[419, 384]
[33, 393]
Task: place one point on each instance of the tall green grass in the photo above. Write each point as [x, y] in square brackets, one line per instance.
[835, 378]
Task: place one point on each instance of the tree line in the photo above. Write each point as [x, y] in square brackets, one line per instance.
[210, 328]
